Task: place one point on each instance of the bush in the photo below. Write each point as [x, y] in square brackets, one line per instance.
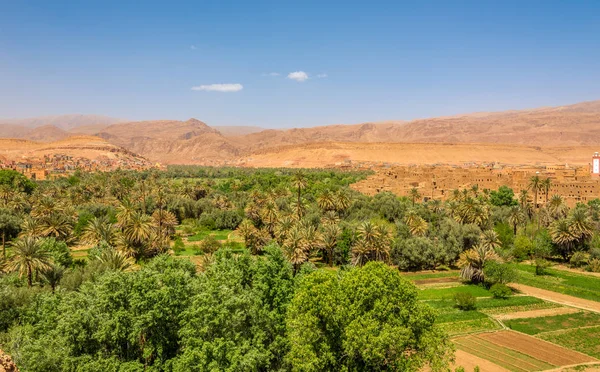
[207, 222]
[579, 259]
[595, 265]
[500, 290]
[465, 301]
[499, 273]
[540, 266]
[209, 245]
[178, 246]
[522, 248]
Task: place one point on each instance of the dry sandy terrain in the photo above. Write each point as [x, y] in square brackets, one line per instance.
[81, 146]
[322, 154]
[558, 297]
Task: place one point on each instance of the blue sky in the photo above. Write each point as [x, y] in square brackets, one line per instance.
[383, 60]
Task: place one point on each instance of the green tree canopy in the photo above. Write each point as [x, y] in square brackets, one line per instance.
[366, 319]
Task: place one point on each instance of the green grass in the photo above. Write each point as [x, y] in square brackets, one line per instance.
[584, 340]
[533, 326]
[420, 276]
[218, 234]
[577, 285]
[469, 326]
[189, 251]
[448, 293]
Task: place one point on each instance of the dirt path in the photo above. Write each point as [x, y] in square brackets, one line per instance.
[537, 313]
[559, 298]
[470, 361]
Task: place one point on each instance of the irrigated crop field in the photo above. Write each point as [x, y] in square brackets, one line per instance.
[520, 333]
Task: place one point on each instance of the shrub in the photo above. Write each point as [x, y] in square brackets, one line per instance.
[500, 290]
[595, 265]
[579, 259]
[499, 273]
[540, 266]
[178, 246]
[209, 245]
[594, 253]
[522, 248]
[465, 301]
[207, 222]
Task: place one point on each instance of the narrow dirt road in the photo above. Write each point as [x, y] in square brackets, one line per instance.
[559, 298]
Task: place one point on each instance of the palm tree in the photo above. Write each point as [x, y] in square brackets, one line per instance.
[28, 258]
[294, 248]
[384, 243]
[248, 232]
[283, 225]
[299, 182]
[416, 224]
[535, 184]
[342, 201]
[414, 195]
[99, 229]
[562, 235]
[138, 232]
[30, 227]
[165, 222]
[59, 226]
[546, 185]
[490, 239]
[53, 275]
[473, 261]
[581, 224]
[557, 207]
[330, 237]
[516, 217]
[114, 259]
[326, 201]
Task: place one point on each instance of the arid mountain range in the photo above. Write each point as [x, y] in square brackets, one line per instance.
[529, 136]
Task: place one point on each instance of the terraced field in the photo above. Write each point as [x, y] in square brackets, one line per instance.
[521, 333]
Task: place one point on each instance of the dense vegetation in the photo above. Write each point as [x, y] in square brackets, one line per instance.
[311, 283]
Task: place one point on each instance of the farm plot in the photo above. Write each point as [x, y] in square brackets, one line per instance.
[536, 348]
[503, 356]
[533, 326]
[585, 340]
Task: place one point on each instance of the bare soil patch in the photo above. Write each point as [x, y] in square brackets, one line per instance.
[537, 313]
[470, 361]
[536, 348]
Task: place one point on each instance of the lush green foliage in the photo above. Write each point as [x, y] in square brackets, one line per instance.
[465, 301]
[363, 319]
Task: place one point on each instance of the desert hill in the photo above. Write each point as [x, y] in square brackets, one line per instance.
[88, 147]
[229, 131]
[194, 142]
[64, 122]
[169, 141]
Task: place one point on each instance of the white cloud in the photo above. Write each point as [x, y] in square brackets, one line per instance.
[299, 76]
[321, 76]
[226, 88]
[193, 47]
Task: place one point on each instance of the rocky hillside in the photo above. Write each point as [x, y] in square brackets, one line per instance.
[166, 141]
